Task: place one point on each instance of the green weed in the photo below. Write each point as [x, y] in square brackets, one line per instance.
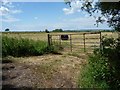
[24, 47]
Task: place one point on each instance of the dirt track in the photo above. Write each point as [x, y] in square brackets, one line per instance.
[47, 71]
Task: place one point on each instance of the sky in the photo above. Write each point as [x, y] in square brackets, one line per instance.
[38, 16]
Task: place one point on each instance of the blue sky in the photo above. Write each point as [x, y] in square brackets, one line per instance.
[38, 16]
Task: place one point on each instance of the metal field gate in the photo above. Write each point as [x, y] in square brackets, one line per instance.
[76, 41]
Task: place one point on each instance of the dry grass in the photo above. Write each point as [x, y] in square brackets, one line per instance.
[43, 36]
[47, 71]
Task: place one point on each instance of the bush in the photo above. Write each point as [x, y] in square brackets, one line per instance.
[103, 69]
[111, 51]
[23, 47]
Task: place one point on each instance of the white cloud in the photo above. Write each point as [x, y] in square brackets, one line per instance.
[9, 19]
[68, 11]
[75, 7]
[16, 11]
[82, 20]
[3, 10]
[67, 24]
[35, 18]
[74, 23]
[29, 27]
[57, 0]
[7, 11]
[38, 0]
[109, 0]
[4, 2]
[79, 23]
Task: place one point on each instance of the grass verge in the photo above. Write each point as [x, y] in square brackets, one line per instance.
[24, 47]
[93, 73]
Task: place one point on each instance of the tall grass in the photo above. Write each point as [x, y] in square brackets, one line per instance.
[24, 47]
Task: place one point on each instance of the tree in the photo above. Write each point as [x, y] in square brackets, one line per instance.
[46, 31]
[58, 30]
[7, 29]
[110, 12]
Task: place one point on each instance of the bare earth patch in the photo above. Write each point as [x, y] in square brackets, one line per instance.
[47, 71]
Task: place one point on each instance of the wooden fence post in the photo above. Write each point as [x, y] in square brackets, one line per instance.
[100, 42]
[60, 40]
[49, 40]
[70, 43]
[84, 42]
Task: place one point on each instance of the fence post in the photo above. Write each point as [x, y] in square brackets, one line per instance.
[84, 42]
[60, 40]
[49, 40]
[100, 42]
[70, 43]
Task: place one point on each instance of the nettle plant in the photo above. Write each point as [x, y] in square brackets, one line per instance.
[110, 46]
[110, 69]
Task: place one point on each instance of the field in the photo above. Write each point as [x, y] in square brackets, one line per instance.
[43, 36]
[46, 71]
[77, 39]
